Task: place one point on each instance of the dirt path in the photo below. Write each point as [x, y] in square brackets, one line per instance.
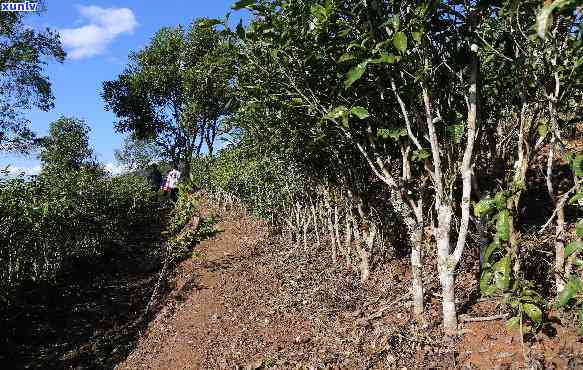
[248, 302]
[201, 309]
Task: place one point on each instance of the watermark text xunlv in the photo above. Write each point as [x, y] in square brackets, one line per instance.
[19, 7]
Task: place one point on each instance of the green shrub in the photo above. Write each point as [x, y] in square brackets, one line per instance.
[50, 222]
[183, 237]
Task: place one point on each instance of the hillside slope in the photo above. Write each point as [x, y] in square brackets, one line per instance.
[246, 301]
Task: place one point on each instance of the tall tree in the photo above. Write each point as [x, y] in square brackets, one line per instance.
[23, 85]
[66, 147]
[137, 154]
[167, 94]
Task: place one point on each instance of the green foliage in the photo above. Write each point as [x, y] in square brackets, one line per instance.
[49, 222]
[400, 41]
[573, 247]
[176, 90]
[354, 74]
[182, 235]
[484, 206]
[576, 198]
[23, 85]
[359, 112]
[578, 165]
[579, 229]
[420, 155]
[526, 304]
[571, 297]
[137, 154]
[67, 146]
[394, 133]
[572, 287]
[243, 4]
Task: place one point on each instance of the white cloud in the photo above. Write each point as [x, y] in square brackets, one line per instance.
[26, 171]
[104, 25]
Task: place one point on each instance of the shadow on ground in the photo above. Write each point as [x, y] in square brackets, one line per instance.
[90, 320]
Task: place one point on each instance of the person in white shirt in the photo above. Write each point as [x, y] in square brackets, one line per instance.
[171, 183]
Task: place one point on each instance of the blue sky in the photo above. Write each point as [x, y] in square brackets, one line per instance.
[98, 35]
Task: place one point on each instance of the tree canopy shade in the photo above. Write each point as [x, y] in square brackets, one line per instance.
[175, 91]
[23, 53]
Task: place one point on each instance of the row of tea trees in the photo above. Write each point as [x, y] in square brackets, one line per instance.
[72, 212]
[357, 123]
[450, 105]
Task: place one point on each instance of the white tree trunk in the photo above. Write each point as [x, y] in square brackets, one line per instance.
[315, 220]
[417, 272]
[446, 268]
[560, 246]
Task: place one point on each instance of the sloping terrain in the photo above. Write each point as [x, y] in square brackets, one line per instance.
[248, 301]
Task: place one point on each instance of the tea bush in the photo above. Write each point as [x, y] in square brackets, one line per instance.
[50, 222]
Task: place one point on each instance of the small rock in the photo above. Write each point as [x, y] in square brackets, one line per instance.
[302, 339]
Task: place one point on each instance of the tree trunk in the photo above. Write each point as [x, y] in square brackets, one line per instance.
[315, 220]
[417, 271]
[446, 268]
[560, 246]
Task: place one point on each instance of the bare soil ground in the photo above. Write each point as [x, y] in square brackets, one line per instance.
[250, 301]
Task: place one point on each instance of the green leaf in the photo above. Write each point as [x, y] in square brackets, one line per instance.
[492, 247]
[417, 36]
[575, 199]
[502, 272]
[486, 287]
[543, 129]
[512, 301]
[396, 21]
[455, 132]
[359, 112]
[420, 155]
[578, 165]
[569, 156]
[354, 74]
[400, 41]
[385, 58]
[513, 322]
[394, 132]
[501, 197]
[572, 287]
[534, 312]
[337, 112]
[484, 206]
[345, 57]
[573, 247]
[297, 101]
[243, 4]
[502, 225]
[579, 229]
